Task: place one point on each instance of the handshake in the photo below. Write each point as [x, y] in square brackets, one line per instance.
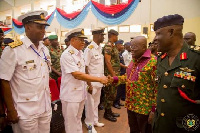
[107, 80]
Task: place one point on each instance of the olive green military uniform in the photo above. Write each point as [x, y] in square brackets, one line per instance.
[55, 60]
[111, 90]
[176, 113]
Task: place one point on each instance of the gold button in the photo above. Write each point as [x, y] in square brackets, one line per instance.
[162, 114]
[41, 64]
[163, 100]
[74, 88]
[27, 99]
[43, 76]
[183, 86]
[165, 86]
[166, 73]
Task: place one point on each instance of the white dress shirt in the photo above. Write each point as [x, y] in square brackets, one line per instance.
[127, 57]
[28, 74]
[72, 90]
[94, 60]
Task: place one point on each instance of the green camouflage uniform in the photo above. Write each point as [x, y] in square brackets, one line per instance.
[111, 90]
[55, 60]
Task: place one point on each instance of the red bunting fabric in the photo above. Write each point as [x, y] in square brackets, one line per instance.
[111, 9]
[5, 29]
[70, 15]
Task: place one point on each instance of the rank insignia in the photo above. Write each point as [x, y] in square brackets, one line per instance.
[186, 69]
[71, 52]
[15, 43]
[183, 56]
[163, 56]
[91, 47]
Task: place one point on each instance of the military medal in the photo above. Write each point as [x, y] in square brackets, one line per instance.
[185, 74]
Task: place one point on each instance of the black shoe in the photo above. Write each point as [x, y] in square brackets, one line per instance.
[117, 106]
[109, 117]
[120, 104]
[115, 114]
[100, 107]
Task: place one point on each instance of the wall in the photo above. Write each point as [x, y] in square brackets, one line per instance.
[145, 14]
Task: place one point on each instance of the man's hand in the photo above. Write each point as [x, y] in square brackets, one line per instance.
[104, 80]
[151, 116]
[90, 89]
[2, 123]
[12, 116]
[110, 79]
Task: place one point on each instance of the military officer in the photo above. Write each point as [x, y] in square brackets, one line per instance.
[111, 67]
[178, 77]
[190, 38]
[1, 40]
[94, 62]
[24, 75]
[73, 88]
[55, 53]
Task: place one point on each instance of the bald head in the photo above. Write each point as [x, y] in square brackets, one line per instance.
[138, 46]
[190, 38]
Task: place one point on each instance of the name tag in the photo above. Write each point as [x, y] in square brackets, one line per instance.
[30, 61]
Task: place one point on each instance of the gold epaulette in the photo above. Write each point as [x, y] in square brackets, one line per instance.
[90, 46]
[71, 52]
[16, 43]
[195, 48]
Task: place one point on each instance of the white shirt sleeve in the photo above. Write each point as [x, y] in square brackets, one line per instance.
[8, 63]
[125, 56]
[87, 56]
[68, 64]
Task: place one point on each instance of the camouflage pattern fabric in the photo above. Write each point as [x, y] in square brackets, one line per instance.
[111, 90]
[55, 60]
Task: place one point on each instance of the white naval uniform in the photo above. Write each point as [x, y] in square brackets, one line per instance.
[127, 57]
[28, 75]
[72, 91]
[94, 60]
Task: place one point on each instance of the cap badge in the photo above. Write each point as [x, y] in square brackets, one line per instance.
[42, 16]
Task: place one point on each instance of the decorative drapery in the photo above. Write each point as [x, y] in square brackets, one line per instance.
[72, 20]
[7, 30]
[110, 15]
[114, 14]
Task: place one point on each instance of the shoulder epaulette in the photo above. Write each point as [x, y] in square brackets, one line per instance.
[195, 48]
[91, 46]
[71, 52]
[15, 43]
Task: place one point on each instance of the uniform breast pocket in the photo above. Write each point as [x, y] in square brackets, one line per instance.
[32, 70]
[184, 84]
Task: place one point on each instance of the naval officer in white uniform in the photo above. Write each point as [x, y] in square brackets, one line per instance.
[94, 61]
[24, 74]
[73, 86]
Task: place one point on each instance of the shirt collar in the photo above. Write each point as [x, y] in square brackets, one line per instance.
[147, 54]
[76, 52]
[95, 45]
[28, 43]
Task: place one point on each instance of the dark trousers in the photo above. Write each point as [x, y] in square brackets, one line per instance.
[138, 123]
[121, 93]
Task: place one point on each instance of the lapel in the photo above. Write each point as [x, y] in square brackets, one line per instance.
[178, 61]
